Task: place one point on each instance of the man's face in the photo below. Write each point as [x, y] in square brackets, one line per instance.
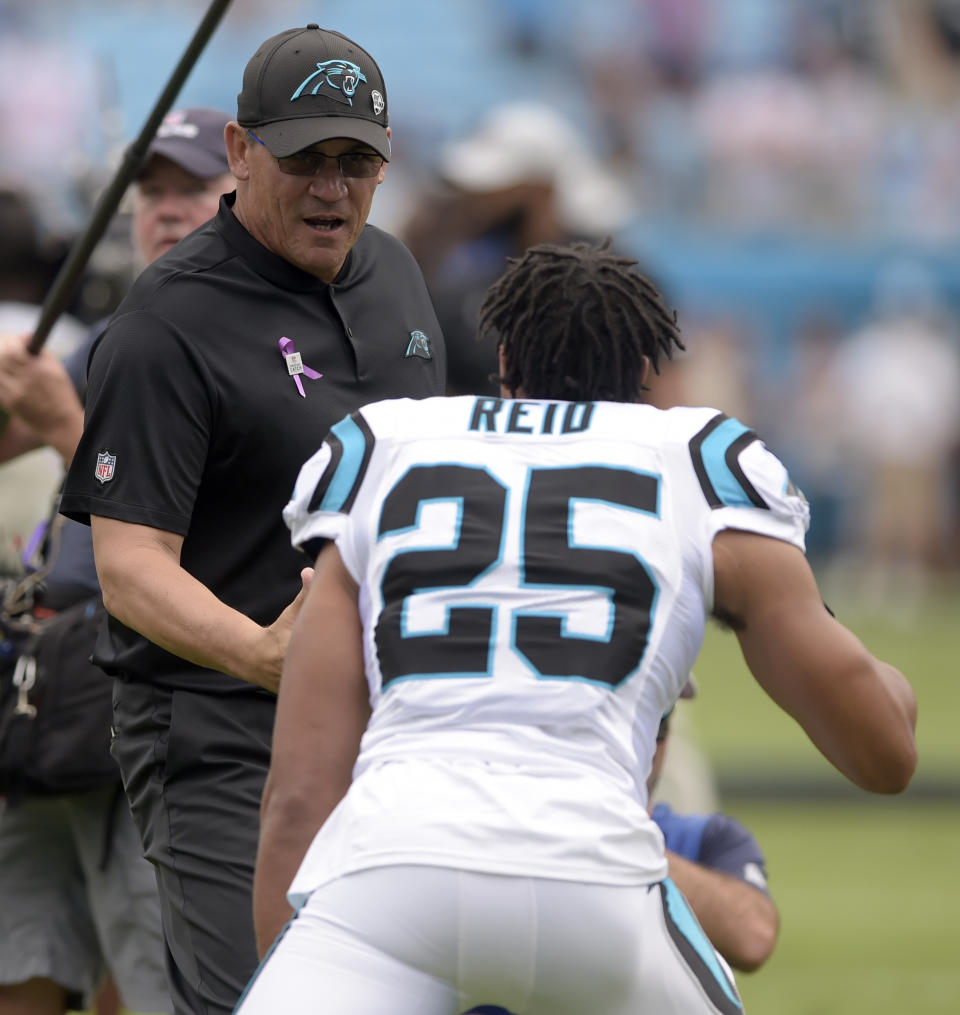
[169, 203]
[310, 221]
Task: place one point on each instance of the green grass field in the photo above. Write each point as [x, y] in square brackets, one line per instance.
[868, 896]
[868, 887]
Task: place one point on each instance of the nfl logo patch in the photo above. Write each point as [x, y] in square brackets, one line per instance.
[106, 463]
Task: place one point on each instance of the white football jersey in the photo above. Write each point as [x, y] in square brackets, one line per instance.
[535, 578]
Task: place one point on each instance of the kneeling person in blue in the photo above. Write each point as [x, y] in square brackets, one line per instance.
[720, 868]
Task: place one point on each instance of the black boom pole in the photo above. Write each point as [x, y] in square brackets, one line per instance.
[66, 280]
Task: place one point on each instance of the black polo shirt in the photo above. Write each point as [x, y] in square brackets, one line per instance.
[194, 424]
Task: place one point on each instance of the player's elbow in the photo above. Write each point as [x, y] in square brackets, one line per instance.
[892, 771]
[873, 739]
[902, 757]
[889, 756]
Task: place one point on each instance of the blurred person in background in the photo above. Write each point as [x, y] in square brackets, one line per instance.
[898, 424]
[89, 918]
[181, 181]
[176, 190]
[50, 96]
[29, 260]
[526, 175]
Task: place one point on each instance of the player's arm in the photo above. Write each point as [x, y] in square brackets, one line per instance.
[740, 919]
[322, 712]
[145, 587]
[858, 710]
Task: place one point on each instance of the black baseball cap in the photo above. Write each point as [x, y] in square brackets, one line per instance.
[311, 84]
[193, 140]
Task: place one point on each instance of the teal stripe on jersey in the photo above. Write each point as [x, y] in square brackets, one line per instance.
[680, 913]
[354, 443]
[713, 452]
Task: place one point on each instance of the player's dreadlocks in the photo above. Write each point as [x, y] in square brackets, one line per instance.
[575, 322]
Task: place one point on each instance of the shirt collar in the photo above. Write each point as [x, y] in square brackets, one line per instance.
[268, 264]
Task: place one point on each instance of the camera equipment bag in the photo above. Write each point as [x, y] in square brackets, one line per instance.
[55, 704]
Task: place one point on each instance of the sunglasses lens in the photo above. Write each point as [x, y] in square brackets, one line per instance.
[358, 166]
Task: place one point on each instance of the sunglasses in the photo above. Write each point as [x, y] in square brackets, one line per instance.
[352, 165]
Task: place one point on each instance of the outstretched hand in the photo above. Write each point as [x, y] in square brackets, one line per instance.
[281, 628]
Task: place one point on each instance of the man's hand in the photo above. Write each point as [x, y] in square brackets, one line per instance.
[280, 629]
[38, 392]
[145, 587]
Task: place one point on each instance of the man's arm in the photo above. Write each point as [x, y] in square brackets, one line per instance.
[859, 711]
[145, 588]
[322, 712]
[741, 921]
[41, 399]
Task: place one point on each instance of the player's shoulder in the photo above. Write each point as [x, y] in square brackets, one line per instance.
[679, 424]
[641, 421]
[680, 435]
[733, 465]
[688, 424]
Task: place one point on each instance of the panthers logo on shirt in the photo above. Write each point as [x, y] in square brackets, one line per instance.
[419, 345]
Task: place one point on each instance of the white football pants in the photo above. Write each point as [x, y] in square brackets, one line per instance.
[418, 940]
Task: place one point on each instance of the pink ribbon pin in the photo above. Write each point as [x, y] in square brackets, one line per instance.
[295, 365]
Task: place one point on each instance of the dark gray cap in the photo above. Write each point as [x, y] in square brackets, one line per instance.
[311, 84]
[193, 140]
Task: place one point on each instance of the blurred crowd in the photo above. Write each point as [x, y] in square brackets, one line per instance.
[819, 115]
[789, 172]
[831, 115]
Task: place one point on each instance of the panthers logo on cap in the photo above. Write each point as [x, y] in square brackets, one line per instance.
[340, 75]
